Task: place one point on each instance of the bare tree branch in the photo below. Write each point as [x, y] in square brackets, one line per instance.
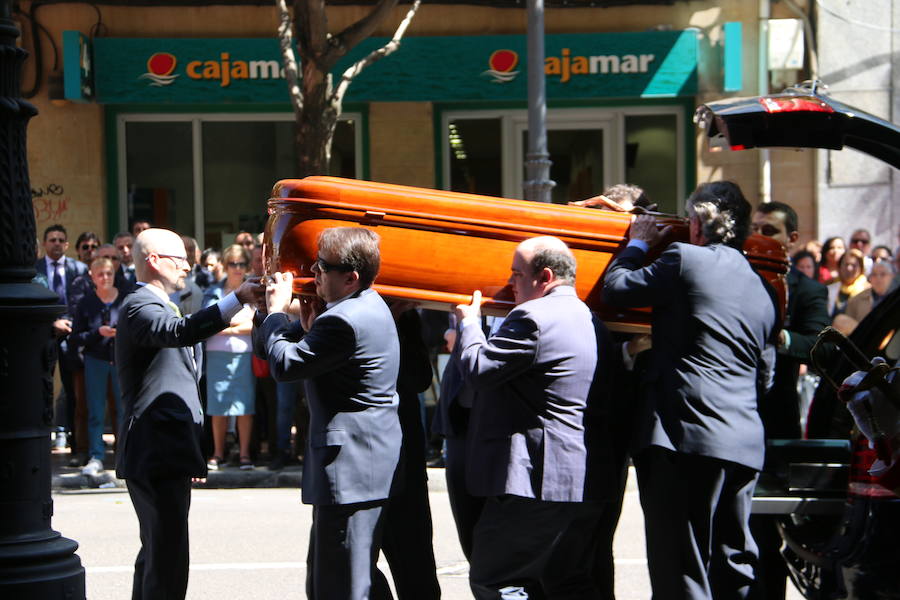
[350, 74]
[286, 41]
[346, 40]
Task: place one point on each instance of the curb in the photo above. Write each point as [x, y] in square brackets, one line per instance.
[69, 479]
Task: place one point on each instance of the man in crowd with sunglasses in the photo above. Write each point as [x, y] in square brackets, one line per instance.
[348, 355]
[160, 442]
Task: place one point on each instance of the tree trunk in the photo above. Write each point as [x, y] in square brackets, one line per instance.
[315, 123]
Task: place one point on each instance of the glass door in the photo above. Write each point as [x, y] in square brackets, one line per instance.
[580, 154]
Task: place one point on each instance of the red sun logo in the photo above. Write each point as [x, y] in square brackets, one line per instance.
[161, 64]
[503, 61]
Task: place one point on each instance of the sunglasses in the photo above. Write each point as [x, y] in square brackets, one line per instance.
[859, 241]
[236, 265]
[327, 267]
[89, 246]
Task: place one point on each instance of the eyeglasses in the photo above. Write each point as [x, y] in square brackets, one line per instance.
[236, 265]
[90, 246]
[859, 241]
[180, 261]
[326, 267]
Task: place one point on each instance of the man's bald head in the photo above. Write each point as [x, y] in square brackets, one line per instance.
[161, 242]
[552, 253]
[540, 264]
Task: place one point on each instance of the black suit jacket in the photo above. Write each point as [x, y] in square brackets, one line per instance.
[73, 269]
[162, 425]
[807, 315]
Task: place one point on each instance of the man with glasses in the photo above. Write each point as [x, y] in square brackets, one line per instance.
[160, 443]
[86, 246]
[862, 241]
[348, 356]
[60, 272]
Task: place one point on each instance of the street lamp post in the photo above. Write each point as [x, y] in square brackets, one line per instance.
[35, 561]
[537, 185]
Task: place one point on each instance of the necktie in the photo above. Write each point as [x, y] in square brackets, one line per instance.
[174, 307]
[57, 283]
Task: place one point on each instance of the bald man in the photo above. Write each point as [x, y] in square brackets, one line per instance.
[160, 441]
[536, 431]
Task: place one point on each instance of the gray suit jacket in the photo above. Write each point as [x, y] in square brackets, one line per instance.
[713, 322]
[162, 425]
[349, 360]
[533, 383]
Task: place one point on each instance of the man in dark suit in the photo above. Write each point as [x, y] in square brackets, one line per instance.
[806, 316]
[159, 448]
[529, 436]
[61, 272]
[348, 356]
[702, 446]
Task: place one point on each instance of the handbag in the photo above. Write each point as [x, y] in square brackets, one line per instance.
[260, 367]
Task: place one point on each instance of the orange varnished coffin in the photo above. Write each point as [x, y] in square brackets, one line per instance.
[437, 246]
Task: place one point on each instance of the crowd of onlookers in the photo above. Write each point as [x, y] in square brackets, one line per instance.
[236, 385]
[857, 275]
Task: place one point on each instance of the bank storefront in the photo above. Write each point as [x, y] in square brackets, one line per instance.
[199, 129]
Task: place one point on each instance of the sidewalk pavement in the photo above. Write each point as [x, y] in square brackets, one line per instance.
[69, 478]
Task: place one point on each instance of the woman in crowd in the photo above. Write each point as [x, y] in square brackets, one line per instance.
[805, 262]
[851, 281]
[94, 332]
[230, 384]
[832, 250]
[882, 253]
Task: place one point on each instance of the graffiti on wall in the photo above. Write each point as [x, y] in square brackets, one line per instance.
[50, 203]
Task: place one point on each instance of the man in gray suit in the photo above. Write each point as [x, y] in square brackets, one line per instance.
[348, 356]
[160, 448]
[530, 440]
[701, 446]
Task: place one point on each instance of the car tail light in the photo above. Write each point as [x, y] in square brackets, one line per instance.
[795, 104]
[861, 482]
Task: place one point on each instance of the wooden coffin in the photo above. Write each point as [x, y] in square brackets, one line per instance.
[437, 247]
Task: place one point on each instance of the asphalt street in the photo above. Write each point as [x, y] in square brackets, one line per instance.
[251, 544]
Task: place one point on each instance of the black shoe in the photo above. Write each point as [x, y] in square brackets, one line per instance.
[279, 461]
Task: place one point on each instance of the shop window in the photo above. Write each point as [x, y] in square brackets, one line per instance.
[475, 156]
[160, 175]
[576, 157]
[215, 171]
[651, 158]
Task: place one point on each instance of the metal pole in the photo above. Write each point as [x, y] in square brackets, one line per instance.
[537, 185]
[35, 561]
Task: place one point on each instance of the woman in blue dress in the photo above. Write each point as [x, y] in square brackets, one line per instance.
[230, 384]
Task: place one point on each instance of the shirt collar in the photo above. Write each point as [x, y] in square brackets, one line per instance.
[61, 261]
[329, 305]
[159, 293]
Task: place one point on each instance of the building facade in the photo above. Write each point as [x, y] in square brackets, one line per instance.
[178, 112]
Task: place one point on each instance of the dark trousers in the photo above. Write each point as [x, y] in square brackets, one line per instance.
[526, 548]
[696, 515]
[465, 507]
[771, 579]
[161, 568]
[407, 538]
[344, 542]
[604, 572]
